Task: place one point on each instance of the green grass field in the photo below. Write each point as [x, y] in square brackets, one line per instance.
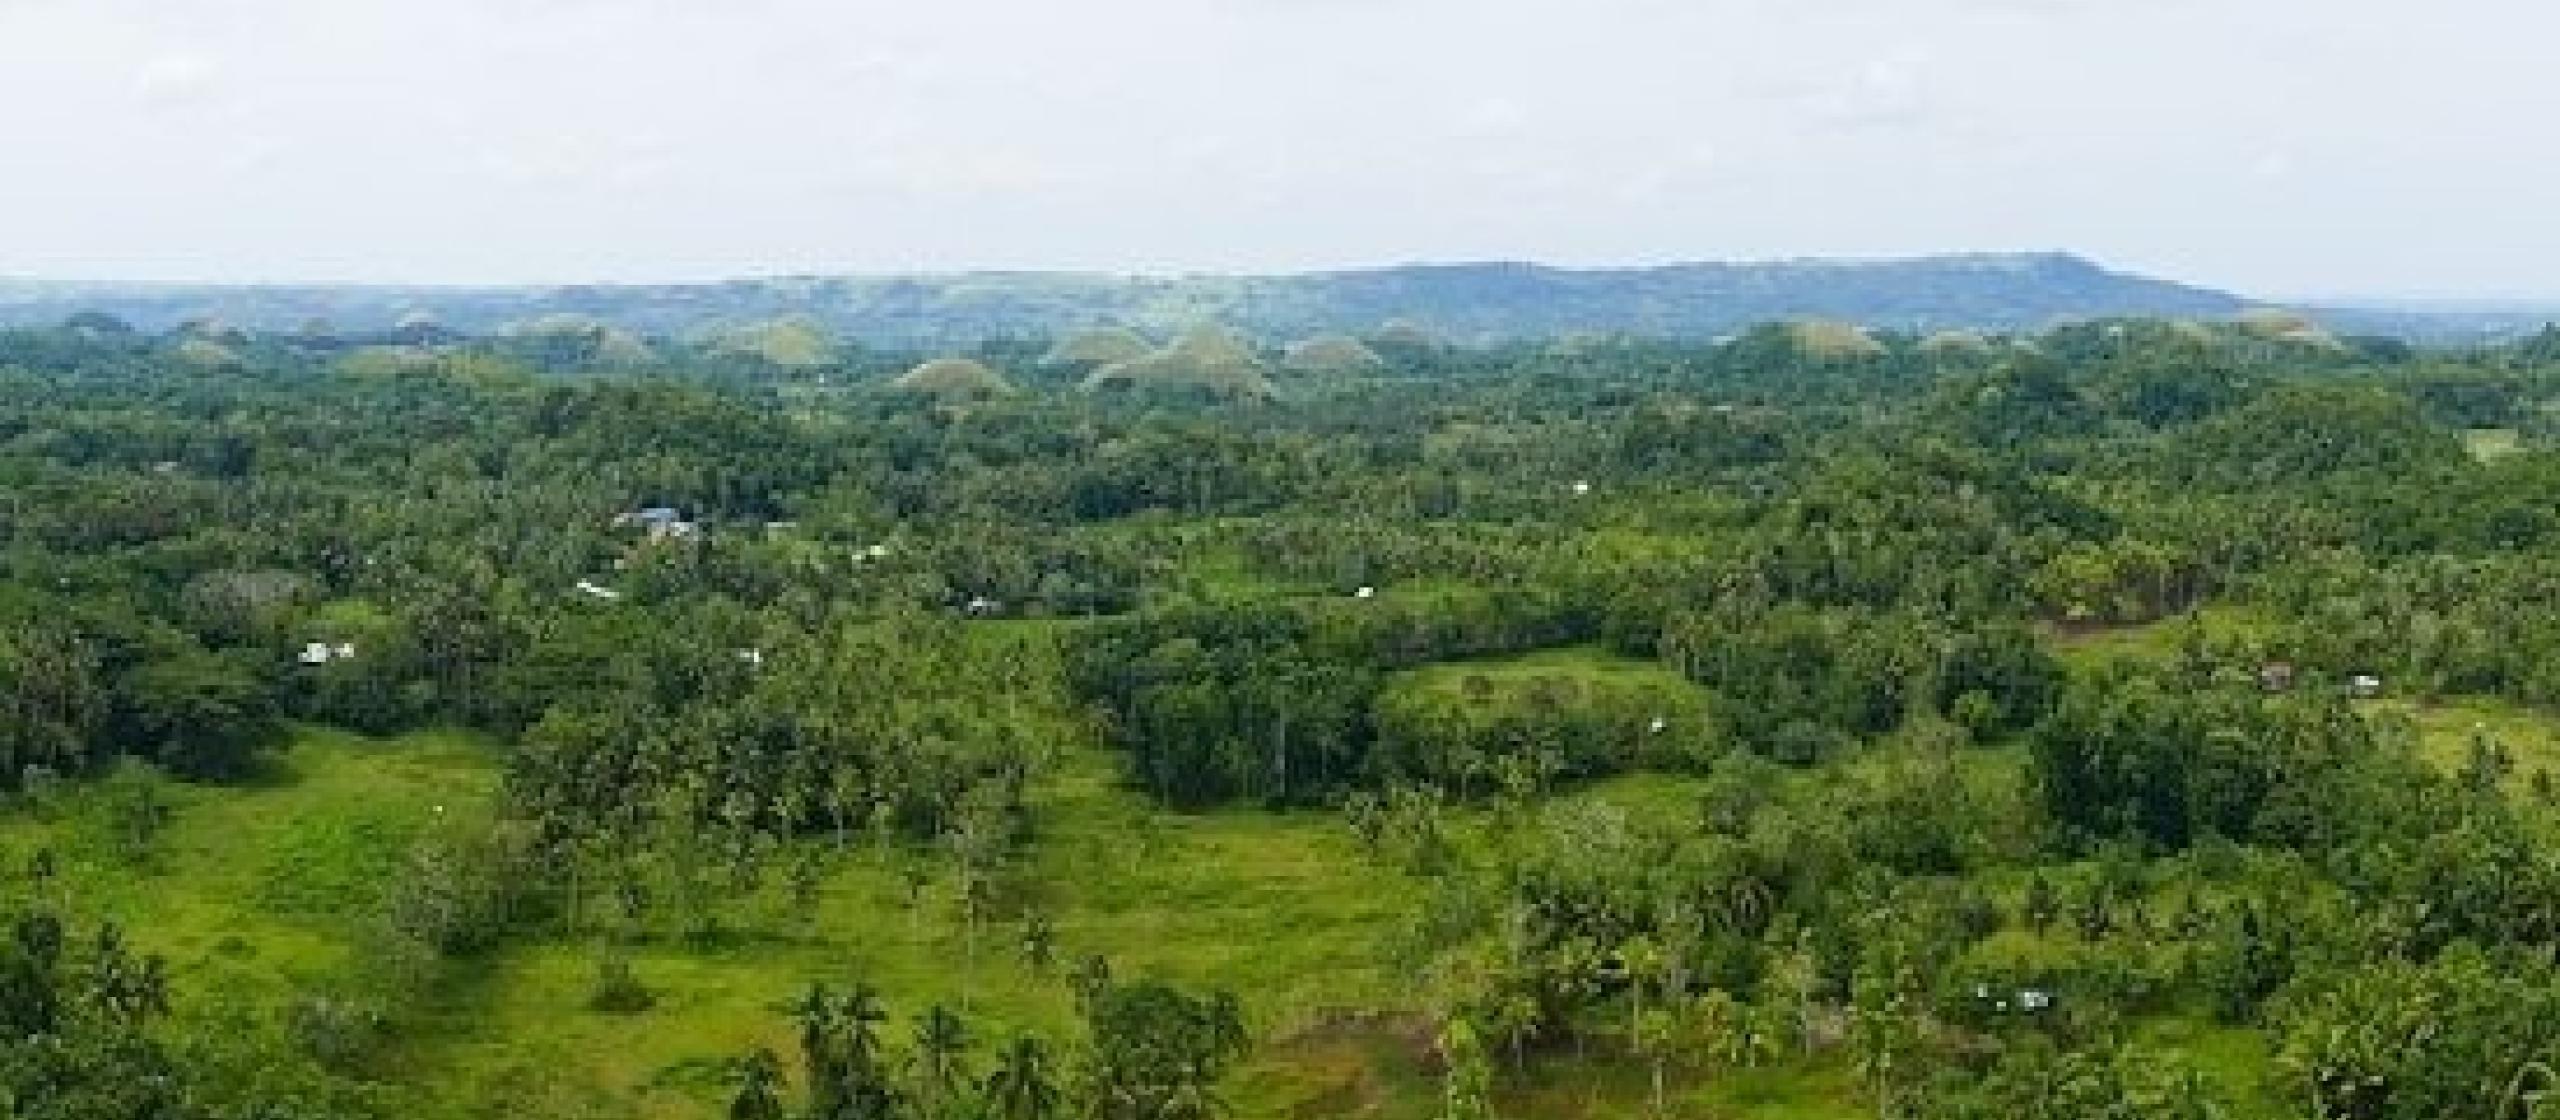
[266, 891]
[248, 887]
[2446, 726]
[257, 893]
[1584, 662]
[2490, 444]
[2151, 641]
[263, 892]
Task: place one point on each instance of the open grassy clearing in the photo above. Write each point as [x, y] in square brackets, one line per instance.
[2491, 444]
[2446, 727]
[2151, 641]
[2236, 1059]
[247, 888]
[1581, 662]
[262, 892]
[1283, 910]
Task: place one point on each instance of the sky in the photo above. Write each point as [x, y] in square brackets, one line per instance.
[2275, 147]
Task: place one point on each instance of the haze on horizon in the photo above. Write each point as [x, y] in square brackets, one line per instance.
[2279, 147]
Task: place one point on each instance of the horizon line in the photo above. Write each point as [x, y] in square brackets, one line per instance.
[1164, 273]
[14, 287]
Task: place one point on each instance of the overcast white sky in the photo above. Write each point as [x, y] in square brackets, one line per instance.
[2283, 147]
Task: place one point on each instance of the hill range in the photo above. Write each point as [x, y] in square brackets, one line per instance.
[1461, 302]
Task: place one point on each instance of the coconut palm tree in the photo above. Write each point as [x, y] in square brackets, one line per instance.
[1039, 943]
[1643, 959]
[861, 1014]
[759, 1088]
[1656, 1035]
[1024, 1084]
[1799, 976]
[1714, 1023]
[2535, 1085]
[942, 1043]
[816, 1014]
[1885, 1038]
[1090, 978]
[1468, 1090]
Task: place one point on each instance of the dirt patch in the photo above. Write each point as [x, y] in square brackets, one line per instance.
[1350, 1064]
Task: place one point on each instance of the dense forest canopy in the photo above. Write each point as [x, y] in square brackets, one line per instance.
[2140, 718]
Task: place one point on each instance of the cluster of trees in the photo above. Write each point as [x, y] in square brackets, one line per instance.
[1277, 701]
[905, 731]
[1964, 966]
[84, 688]
[87, 1030]
[2128, 754]
[1472, 732]
[1151, 1051]
[1801, 683]
[2435, 623]
[76, 1015]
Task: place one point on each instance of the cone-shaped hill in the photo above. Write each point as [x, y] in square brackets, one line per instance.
[953, 379]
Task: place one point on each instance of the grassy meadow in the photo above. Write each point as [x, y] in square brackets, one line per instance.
[264, 893]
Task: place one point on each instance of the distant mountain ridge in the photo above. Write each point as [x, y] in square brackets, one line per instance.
[1465, 302]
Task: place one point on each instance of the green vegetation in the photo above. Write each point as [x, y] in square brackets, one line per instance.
[954, 379]
[2460, 733]
[2290, 327]
[1208, 360]
[1832, 341]
[2133, 719]
[2490, 444]
[1331, 354]
[791, 342]
[1473, 301]
[1096, 348]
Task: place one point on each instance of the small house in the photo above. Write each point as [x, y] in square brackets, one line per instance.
[1365, 593]
[660, 523]
[2276, 676]
[1581, 489]
[2364, 686]
[2035, 999]
[981, 605]
[322, 653]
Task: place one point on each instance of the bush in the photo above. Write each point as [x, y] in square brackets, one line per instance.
[618, 990]
[336, 1031]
